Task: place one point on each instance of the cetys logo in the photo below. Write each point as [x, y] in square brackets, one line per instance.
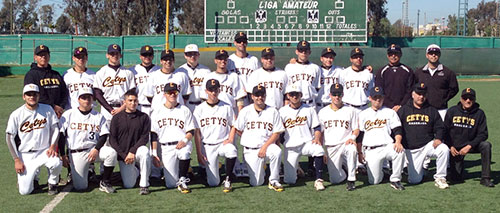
[115, 46]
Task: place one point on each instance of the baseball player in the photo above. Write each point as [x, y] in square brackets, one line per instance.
[260, 126]
[357, 82]
[214, 136]
[85, 131]
[272, 78]
[51, 84]
[298, 119]
[172, 129]
[128, 136]
[241, 62]
[111, 82]
[77, 77]
[329, 75]
[378, 124]
[340, 128]
[142, 72]
[304, 73]
[196, 73]
[423, 132]
[35, 124]
[167, 74]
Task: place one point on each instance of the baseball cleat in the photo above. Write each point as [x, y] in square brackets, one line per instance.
[486, 182]
[144, 191]
[318, 185]
[227, 185]
[276, 186]
[53, 189]
[106, 187]
[397, 185]
[350, 186]
[441, 183]
[182, 185]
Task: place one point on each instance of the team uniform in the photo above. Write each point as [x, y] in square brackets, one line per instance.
[275, 81]
[337, 127]
[76, 81]
[306, 75]
[196, 78]
[356, 87]
[231, 87]
[244, 67]
[142, 74]
[328, 78]
[158, 80]
[397, 82]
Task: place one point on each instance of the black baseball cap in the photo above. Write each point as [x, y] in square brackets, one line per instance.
[79, 51]
[420, 88]
[357, 51]
[259, 90]
[376, 91]
[240, 36]
[303, 45]
[221, 54]
[147, 50]
[336, 89]
[170, 87]
[212, 85]
[327, 51]
[267, 52]
[41, 49]
[114, 48]
[468, 92]
[394, 48]
[167, 54]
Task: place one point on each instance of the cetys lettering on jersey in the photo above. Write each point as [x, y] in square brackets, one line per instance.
[272, 84]
[417, 117]
[356, 83]
[302, 77]
[336, 123]
[141, 79]
[259, 125]
[76, 86]
[244, 71]
[170, 122]
[226, 89]
[196, 82]
[298, 121]
[29, 126]
[85, 127]
[378, 123]
[329, 80]
[213, 121]
[464, 120]
[49, 81]
[110, 82]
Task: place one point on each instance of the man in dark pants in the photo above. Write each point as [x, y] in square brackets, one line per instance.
[467, 133]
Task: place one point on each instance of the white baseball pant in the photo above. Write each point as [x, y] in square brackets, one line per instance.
[255, 164]
[292, 155]
[337, 155]
[212, 152]
[32, 162]
[170, 157]
[130, 172]
[375, 157]
[416, 160]
[80, 165]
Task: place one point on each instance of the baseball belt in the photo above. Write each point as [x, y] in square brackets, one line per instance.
[194, 102]
[251, 148]
[78, 150]
[308, 102]
[373, 147]
[31, 150]
[145, 105]
[211, 144]
[115, 105]
[357, 106]
[322, 104]
[330, 146]
[170, 143]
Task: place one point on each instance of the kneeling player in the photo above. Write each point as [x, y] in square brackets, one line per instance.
[85, 131]
[299, 119]
[173, 127]
[260, 126]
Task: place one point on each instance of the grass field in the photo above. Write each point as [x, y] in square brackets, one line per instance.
[466, 197]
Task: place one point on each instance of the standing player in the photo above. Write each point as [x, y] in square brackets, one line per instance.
[111, 82]
[260, 127]
[142, 72]
[329, 76]
[129, 134]
[78, 77]
[85, 131]
[357, 82]
[423, 132]
[196, 73]
[272, 78]
[340, 130]
[214, 136]
[36, 126]
[378, 124]
[241, 62]
[299, 119]
[396, 79]
[173, 127]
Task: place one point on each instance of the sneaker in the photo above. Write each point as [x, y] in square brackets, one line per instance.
[106, 187]
[486, 182]
[144, 191]
[441, 183]
[53, 189]
[318, 185]
[276, 186]
[227, 185]
[397, 185]
[182, 185]
[351, 186]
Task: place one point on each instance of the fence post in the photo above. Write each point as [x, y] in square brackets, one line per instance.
[123, 49]
[71, 50]
[20, 49]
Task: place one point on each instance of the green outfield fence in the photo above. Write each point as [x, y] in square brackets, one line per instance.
[464, 55]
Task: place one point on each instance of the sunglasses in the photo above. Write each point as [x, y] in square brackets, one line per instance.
[191, 54]
[434, 53]
[242, 42]
[147, 55]
[468, 98]
[337, 94]
[174, 92]
[302, 51]
[31, 94]
[294, 94]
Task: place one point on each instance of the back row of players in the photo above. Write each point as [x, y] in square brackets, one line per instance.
[171, 106]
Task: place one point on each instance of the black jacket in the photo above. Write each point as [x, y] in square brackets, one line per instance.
[53, 90]
[397, 82]
[441, 87]
[465, 127]
[129, 131]
[420, 126]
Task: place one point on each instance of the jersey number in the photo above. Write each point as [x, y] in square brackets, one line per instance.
[92, 136]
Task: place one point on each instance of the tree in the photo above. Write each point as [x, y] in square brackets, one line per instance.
[376, 12]
[452, 25]
[190, 20]
[63, 25]
[484, 15]
[5, 16]
[26, 13]
[46, 17]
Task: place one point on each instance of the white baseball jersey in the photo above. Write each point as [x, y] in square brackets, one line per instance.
[82, 131]
[215, 122]
[196, 77]
[356, 86]
[308, 76]
[328, 78]
[243, 67]
[74, 82]
[141, 81]
[113, 83]
[337, 125]
[378, 125]
[33, 127]
[298, 124]
[157, 81]
[275, 83]
[171, 125]
[258, 127]
[231, 87]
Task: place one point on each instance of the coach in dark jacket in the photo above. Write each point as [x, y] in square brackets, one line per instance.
[467, 133]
